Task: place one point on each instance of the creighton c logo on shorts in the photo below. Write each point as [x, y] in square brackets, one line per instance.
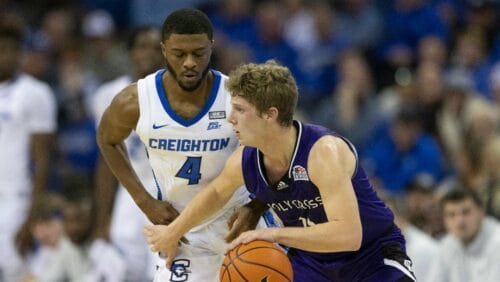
[179, 271]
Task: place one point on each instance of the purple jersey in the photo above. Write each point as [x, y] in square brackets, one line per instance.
[297, 201]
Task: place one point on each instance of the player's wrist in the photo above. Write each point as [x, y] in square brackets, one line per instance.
[274, 232]
[177, 230]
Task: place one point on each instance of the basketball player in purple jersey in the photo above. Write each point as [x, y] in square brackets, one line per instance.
[335, 226]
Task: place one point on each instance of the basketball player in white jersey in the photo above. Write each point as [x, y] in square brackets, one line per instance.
[180, 115]
[119, 220]
[27, 124]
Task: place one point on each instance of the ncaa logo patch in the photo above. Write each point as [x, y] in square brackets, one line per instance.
[299, 173]
[217, 115]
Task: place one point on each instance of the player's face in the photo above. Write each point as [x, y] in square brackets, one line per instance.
[187, 57]
[10, 57]
[145, 54]
[247, 123]
[463, 219]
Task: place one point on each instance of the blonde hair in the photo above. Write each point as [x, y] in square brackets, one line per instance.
[264, 86]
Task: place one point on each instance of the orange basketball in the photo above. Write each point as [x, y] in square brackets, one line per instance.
[256, 261]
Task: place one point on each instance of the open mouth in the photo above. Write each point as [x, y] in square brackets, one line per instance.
[190, 76]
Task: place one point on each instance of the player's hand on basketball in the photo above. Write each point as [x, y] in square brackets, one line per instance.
[266, 234]
[243, 219]
[162, 240]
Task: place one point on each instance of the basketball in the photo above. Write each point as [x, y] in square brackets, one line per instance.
[256, 261]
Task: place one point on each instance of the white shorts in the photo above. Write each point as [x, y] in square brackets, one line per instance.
[12, 216]
[200, 260]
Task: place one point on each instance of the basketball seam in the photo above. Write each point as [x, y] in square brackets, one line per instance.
[259, 264]
[239, 272]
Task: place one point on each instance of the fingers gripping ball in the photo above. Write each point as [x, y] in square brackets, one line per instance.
[256, 261]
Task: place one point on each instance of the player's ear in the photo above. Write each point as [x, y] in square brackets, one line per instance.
[272, 113]
[163, 49]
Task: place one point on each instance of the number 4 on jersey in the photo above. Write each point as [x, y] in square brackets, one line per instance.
[190, 170]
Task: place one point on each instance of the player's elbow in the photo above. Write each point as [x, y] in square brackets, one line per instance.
[355, 238]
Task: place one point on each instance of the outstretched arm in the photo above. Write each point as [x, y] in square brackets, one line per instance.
[331, 165]
[119, 119]
[209, 200]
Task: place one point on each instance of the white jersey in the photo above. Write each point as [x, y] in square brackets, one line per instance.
[186, 154]
[27, 106]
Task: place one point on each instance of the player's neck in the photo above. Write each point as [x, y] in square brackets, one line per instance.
[280, 151]
[200, 94]
[7, 77]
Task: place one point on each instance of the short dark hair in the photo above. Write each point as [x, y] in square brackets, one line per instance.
[187, 21]
[11, 33]
[458, 194]
[136, 32]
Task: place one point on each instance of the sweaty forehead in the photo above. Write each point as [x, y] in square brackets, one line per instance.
[187, 41]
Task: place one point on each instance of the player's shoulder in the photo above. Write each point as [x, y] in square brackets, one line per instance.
[221, 78]
[329, 143]
[331, 150]
[28, 81]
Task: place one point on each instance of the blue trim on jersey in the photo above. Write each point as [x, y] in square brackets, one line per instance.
[159, 196]
[172, 114]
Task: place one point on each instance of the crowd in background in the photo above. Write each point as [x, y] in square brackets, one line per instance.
[414, 84]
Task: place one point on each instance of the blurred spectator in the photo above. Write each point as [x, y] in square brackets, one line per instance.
[104, 57]
[299, 30]
[421, 206]
[432, 49]
[233, 21]
[471, 249]
[152, 12]
[319, 63]
[491, 159]
[420, 247]
[59, 27]
[470, 62]
[429, 81]
[230, 55]
[27, 127]
[403, 92]
[99, 261]
[56, 257]
[76, 138]
[451, 120]
[269, 17]
[401, 151]
[495, 83]
[407, 23]
[361, 23]
[480, 123]
[352, 109]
